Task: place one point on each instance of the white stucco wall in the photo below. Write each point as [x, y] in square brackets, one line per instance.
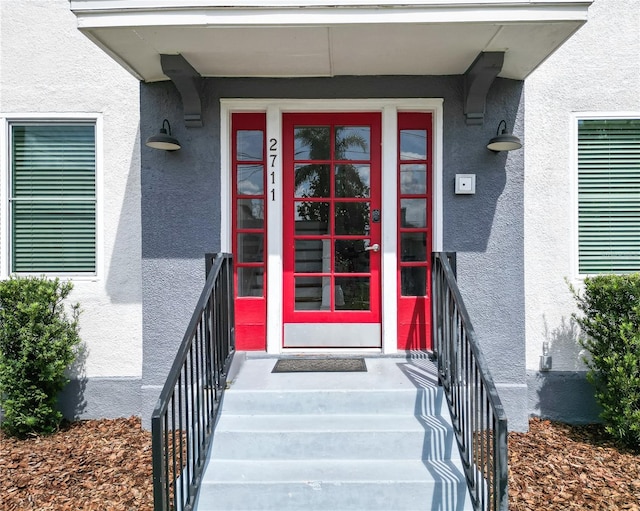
[597, 70]
[47, 66]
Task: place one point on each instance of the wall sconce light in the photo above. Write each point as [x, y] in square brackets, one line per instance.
[504, 141]
[163, 140]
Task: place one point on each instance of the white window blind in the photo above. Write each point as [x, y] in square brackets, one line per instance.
[53, 198]
[609, 195]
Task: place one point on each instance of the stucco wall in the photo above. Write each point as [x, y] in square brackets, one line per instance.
[47, 66]
[597, 70]
[181, 212]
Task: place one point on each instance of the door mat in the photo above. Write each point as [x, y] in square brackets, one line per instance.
[320, 365]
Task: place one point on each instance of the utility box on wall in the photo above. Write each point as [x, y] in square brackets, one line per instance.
[465, 184]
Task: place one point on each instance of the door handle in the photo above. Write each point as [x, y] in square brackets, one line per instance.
[375, 248]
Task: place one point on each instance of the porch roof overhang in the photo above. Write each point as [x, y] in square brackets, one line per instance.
[286, 38]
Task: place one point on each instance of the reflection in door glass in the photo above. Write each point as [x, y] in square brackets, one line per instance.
[311, 217]
[249, 145]
[353, 181]
[250, 179]
[312, 143]
[354, 292]
[250, 247]
[311, 181]
[313, 256]
[413, 213]
[413, 179]
[351, 257]
[414, 281]
[413, 144]
[308, 293]
[250, 281]
[353, 143]
[352, 218]
[413, 246]
[250, 213]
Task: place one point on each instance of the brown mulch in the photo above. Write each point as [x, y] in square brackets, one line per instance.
[556, 466]
[106, 466]
[92, 465]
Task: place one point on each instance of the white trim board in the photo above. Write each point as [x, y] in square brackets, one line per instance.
[131, 13]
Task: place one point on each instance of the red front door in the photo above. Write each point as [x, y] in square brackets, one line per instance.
[332, 230]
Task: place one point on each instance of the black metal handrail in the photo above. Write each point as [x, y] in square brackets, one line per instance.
[477, 414]
[183, 420]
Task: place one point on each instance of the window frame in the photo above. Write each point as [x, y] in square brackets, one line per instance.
[576, 117]
[6, 123]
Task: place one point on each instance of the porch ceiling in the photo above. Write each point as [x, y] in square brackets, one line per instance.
[284, 38]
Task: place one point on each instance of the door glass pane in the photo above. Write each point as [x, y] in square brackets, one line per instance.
[413, 144]
[413, 213]
[413, 179]
[414, 281]
[353, 181]
[413, 246]
[311, 217]
[311, 181]
[313, 256]
[352, 217]
[250, 214]
[250, 179]
[250, 281]
[353, 143]
[351, 257]
[312, 143]
[353, 292]
[308, 293]
[250, 248]
[249, 145]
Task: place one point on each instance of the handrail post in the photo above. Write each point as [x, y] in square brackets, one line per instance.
[502, 466]
[159, 474]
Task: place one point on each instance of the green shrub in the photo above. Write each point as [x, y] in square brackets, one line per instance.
[610, 306]
[38, 342]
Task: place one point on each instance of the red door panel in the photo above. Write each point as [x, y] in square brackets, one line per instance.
[415, 163]
[248, 159]
[332, 218]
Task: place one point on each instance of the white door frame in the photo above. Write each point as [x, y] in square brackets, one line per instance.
[274, 108]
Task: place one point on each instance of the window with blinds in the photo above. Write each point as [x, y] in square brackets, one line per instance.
[608, 196]
[52, 198]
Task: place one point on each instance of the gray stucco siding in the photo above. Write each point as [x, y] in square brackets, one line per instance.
[99, 398]
[181, 216]
[564, 396]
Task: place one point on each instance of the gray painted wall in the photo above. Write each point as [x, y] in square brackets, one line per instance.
[564, 396]
[97, 398]
[181, 214]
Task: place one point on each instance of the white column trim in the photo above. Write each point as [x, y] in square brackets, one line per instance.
[437, 224]
[226, 215]
[389, 281]
[274, 231]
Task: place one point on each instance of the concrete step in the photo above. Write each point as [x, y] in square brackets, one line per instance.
[346, 437]
[314, 485]
[413, 401]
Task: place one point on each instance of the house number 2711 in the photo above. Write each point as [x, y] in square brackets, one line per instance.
[273, 154]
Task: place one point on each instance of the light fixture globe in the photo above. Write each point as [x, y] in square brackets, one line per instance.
[163, 140]
[504, 141]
